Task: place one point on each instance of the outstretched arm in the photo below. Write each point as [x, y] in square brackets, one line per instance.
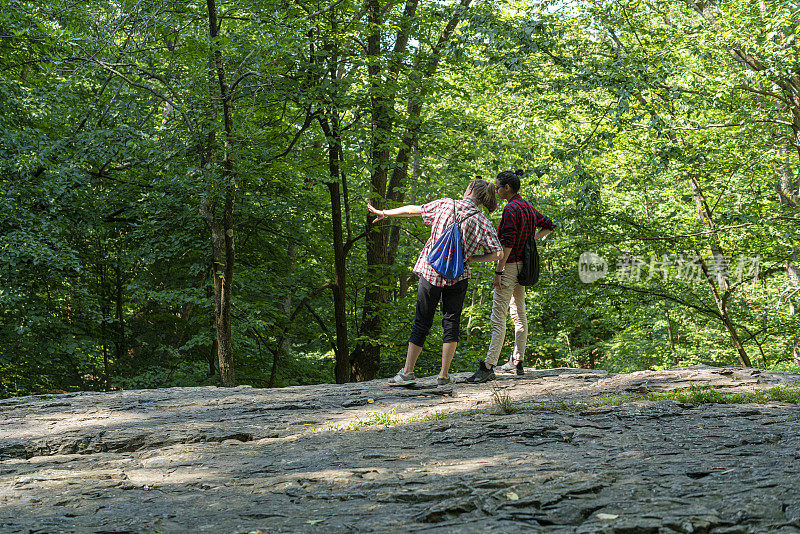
[409, 210]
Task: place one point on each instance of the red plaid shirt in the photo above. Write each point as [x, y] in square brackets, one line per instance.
[520, 219]
[478, 236]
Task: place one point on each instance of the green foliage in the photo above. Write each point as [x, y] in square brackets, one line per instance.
[614, 109]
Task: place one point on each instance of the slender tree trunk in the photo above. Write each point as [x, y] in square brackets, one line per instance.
[408, 278]
[412, 195]
[569, 346]
[725, 317]
[331, 129]
[291, 258]
[211, 356]
[329, 121]
[422, 71]
[342, 368]
[669, 335]
[104, 298]
[121, 345]
[793, 270]
[221, 230]
[720, 271]
[784, 183]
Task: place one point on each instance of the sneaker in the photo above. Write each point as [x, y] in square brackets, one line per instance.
[446, 381]
[511, 367]
[402, 379]
[484, 374]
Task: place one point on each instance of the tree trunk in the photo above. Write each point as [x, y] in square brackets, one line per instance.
[381, 251]
[330, 127]
[212, 327]
[329, 122]
[221, 230]
[704, 211]
[365, 359]
[291, 257]
[105, 302]
[720, 271]
[793, 271]
[669, 335]
[725, 318]
[412, 195]
[342, 368]
[784, 183]
[121, 344]
[416, 99]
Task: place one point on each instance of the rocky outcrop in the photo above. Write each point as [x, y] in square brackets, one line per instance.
[248, 460]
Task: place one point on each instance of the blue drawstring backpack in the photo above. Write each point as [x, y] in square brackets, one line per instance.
[446, 256]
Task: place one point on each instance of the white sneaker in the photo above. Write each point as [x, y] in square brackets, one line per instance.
[509, 366]
[402, 379]
[512, 367]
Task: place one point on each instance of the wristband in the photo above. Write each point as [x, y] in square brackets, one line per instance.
[498, 272]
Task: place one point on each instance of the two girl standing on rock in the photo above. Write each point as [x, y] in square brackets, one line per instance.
[479, 244]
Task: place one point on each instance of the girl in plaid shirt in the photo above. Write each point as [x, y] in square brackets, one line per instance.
[480, 244]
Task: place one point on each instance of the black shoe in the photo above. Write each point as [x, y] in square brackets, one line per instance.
[484, 374]
[520, 369]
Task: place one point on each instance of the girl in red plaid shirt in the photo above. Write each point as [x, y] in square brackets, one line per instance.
[480, 244]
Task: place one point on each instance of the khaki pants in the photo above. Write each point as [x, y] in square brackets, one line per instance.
[512, 293]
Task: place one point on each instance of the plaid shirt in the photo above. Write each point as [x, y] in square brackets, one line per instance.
[478, 236]
[520, 220]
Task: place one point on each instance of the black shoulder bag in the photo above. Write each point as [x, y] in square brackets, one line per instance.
[529, 274]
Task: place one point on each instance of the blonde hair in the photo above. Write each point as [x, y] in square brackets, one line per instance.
[483, 192]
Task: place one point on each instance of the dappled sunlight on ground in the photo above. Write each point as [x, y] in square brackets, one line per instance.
[282, 461]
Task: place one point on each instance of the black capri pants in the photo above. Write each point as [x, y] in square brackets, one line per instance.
[428, 296]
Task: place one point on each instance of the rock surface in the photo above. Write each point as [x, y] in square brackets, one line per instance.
[249, 460]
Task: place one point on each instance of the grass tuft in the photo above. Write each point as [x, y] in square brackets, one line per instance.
[709, 395]
[504, 403]
[371, 419]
